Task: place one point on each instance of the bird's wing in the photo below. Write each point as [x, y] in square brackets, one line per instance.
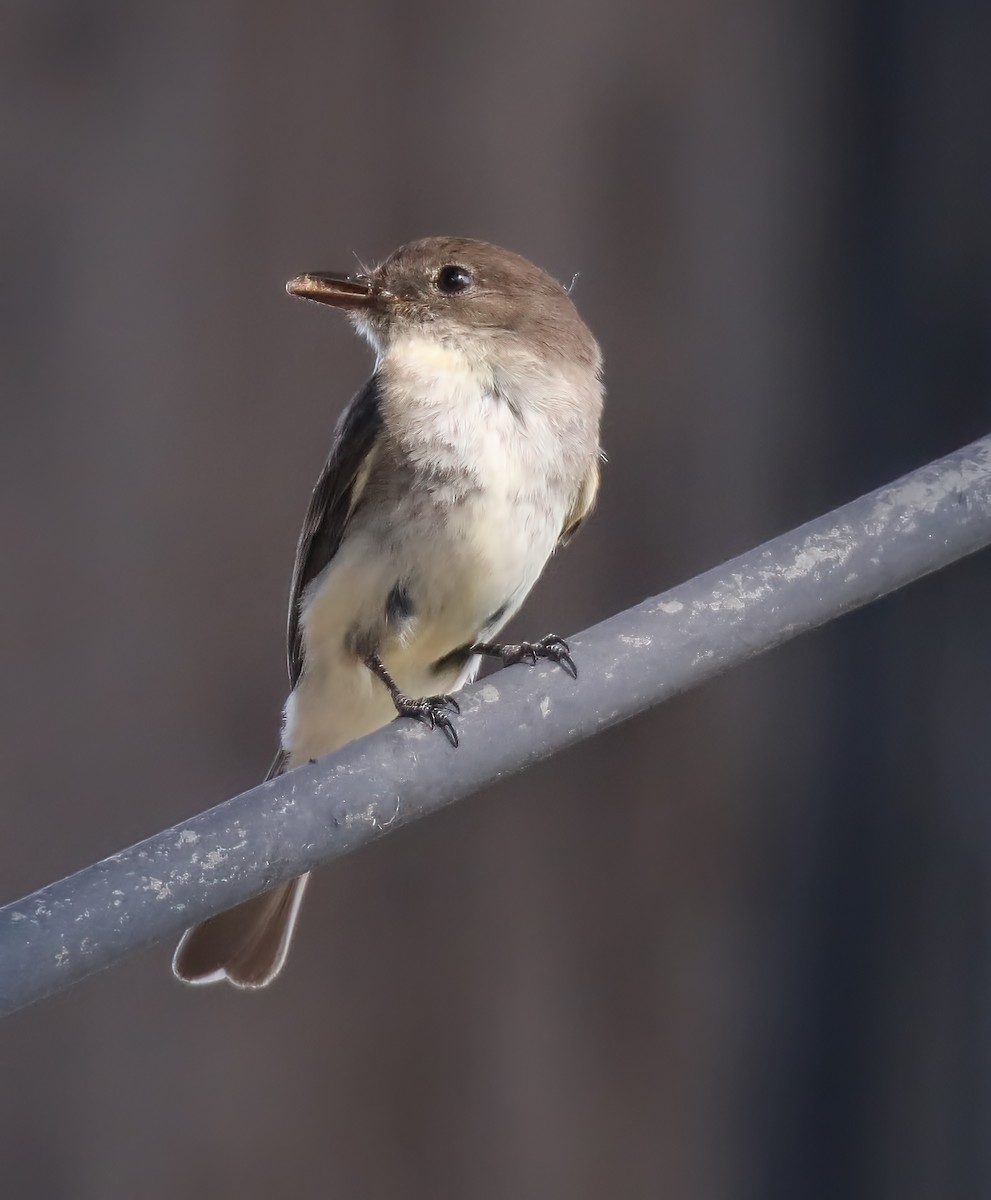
[334, 498]
[583, 504]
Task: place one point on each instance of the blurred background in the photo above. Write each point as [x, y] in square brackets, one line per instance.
[766, 972]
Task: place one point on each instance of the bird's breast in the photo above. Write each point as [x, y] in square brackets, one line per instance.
[462, 507]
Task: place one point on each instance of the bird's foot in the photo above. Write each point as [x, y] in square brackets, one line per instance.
[550, 647]
[430, 711]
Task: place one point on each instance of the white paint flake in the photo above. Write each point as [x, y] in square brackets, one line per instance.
[831, 548]
[161, 889]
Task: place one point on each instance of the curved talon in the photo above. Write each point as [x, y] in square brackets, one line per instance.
[447, 725]
[556, 648]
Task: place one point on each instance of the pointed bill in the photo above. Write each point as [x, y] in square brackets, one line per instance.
[342, 291]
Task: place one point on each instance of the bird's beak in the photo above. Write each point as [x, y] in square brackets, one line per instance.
[343, 291]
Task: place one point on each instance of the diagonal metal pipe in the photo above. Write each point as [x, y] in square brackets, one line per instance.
[636, 659]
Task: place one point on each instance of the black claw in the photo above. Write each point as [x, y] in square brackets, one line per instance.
[568, 663]
[556, 649]
[447, 725]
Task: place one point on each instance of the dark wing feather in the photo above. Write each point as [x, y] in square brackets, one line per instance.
[331, 505]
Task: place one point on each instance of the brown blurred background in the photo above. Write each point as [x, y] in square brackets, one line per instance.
[740, 948]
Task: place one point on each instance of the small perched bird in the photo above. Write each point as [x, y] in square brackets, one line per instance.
[470, 455]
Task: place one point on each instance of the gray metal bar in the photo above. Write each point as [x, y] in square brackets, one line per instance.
[630, 662]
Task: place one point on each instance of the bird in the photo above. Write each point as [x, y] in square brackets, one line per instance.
[470, 455]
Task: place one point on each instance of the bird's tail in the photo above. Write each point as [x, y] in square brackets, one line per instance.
[247, 945]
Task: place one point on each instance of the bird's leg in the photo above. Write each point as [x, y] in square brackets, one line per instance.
[553, 647]
[428, 709]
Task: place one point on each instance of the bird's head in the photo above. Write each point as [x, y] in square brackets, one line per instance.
[461, 292]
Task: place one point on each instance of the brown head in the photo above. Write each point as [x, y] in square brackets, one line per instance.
[456, 290]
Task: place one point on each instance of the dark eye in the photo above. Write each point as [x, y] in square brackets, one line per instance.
[451, 280]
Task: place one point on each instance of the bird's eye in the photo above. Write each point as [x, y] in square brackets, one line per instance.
[451, 280]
